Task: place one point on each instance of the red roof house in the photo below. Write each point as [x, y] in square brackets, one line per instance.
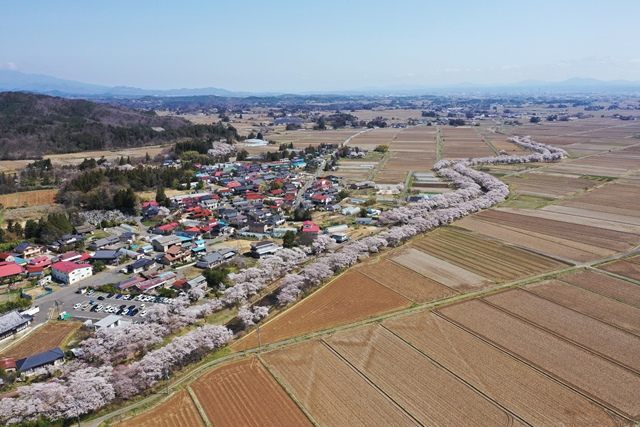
[9, 269]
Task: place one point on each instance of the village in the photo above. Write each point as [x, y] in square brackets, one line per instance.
[108, 273]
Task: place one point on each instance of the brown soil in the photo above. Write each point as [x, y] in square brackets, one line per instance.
[333, 393]
[485, 257]
[623, 268]
[349, 298]
[576, 367]
[605, 285]
[516, 386]
[244, 394]
[441, 271]
[412, 285]
[178, 411]
[408, 378]
[46, 337]
[607, 310]
[586, 331]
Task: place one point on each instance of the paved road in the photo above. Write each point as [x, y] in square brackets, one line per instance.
[47, 303]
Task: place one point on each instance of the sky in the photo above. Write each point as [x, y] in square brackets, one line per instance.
[326, 45]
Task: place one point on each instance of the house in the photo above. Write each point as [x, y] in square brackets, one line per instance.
[84, 229]
[28, 250]
[70, 272]
[309, 231]
[197, 281]
[339, 237]
[111, 321]
[210, 260]
[227, 253]
[11, 323]
[143, 264]
[103, 243]
[8, 364]
[257, 227]
[162, 243]
[165, 229]
[341, 228]
[176, 255]
[29, 364]
[106, 256]
[10, 270]
[7, 257]
[262, 248]
[70, 256]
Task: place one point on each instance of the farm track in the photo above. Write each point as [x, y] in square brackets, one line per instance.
[421, 307]
[399, 315]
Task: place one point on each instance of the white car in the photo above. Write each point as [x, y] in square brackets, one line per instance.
[143, 313]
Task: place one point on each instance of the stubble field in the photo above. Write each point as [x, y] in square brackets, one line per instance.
[50, 335]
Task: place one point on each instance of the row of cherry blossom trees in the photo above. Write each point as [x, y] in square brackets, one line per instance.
[107, 368]
[475, 191]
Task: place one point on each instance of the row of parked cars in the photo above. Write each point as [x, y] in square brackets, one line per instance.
[122, 310]
[126, 297]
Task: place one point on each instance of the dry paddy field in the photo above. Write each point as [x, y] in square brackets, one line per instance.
[560, 239]
[333, 393]
[410, 150]
[605, 285]
[629, 268]
[29, 198]
[349, 298]
[549, 185]
[464, 142]
[50, 335]
[178, 411]
[245, 394]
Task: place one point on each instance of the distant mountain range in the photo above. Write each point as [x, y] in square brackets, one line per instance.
[11, 80]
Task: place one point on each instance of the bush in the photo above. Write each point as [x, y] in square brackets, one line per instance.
[382, 148]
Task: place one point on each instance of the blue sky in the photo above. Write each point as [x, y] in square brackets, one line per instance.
[320, 45]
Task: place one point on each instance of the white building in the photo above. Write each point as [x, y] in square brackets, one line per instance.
[70, 272]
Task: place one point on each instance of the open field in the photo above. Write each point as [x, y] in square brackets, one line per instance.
[178, 411]
[70, 159]
[351, 297]
[408, 378]
[484, 257]
[597, 336]
[605, 285]
[623, 268]
[516, 386]
[607, 310]
[411, 149]
[613, 385]
[436, 269]
[310, 371]
[29, 198]
[542, 243]
[464, 142]
[50, 335]
[404, 281]
[549, 185]
[244, 393]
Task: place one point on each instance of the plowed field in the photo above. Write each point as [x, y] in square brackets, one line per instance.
[407, 377]
[441, 271]
[518, 387]
[178, 411]
[51, 335]
[333, 393]
[245, 394]
[611, 383]
[349, 298]
[487, 258]
[623, 268]
[404, 281]
[597, 336]
[607, 310]
[605, 285]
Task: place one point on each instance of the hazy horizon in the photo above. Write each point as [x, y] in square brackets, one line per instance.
[332, 46]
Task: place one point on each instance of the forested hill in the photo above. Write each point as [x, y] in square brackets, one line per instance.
[32, 125]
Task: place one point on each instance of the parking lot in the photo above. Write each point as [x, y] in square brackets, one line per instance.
[96, 305]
